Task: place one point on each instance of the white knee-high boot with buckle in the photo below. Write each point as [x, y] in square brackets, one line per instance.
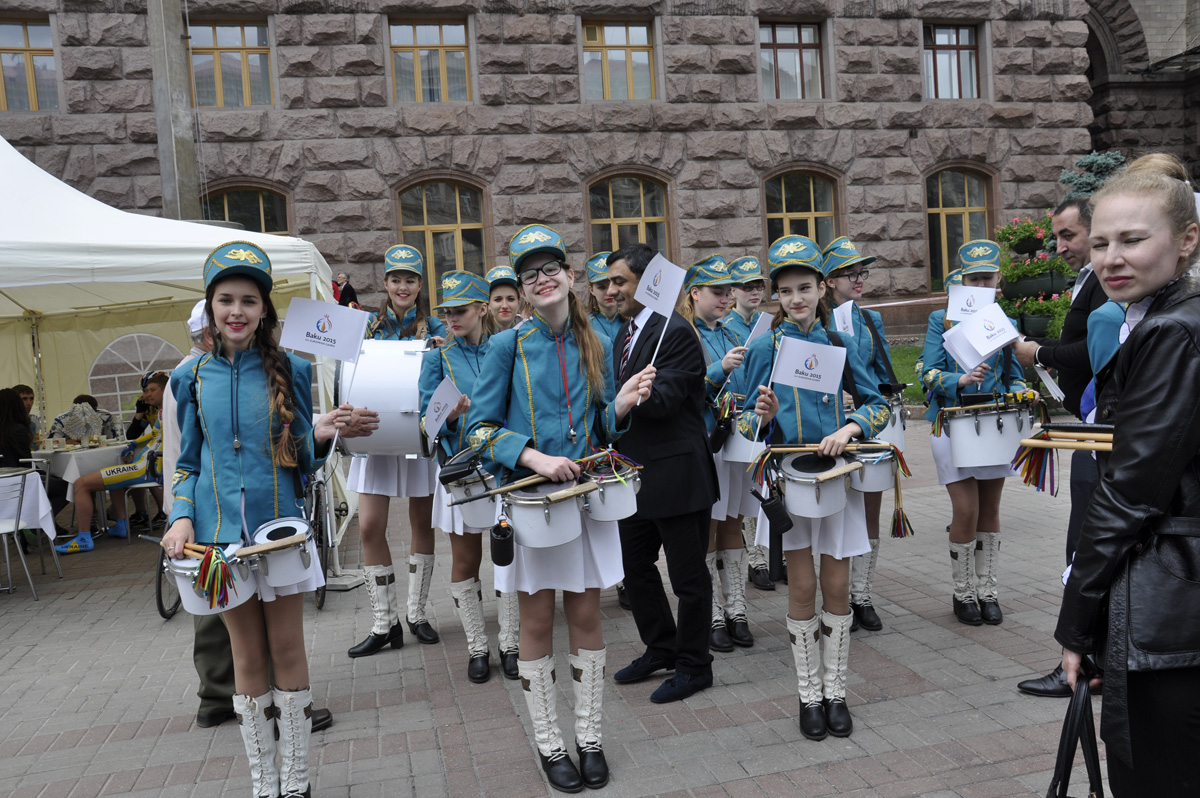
[508, 613]
[835, 653]
[718, 635]
[862, 580]
[733, 583]
[468, 601]
[294, 710]
[420, 573]
[537, 681]
[256, 721]
[380, 581]
[987, 586]
[587, 681]
[806, 651]
[756, 556]
[962, 563]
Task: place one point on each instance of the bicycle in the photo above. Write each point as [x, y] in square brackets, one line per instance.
[166, 592]
[317, 504]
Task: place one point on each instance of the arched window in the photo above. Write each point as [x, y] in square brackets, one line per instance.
[801, 203]
[116, 376]
[957, 203]
[444, 221]
[624, 210]
[257, 210]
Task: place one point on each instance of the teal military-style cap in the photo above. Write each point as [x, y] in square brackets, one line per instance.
[979, 256]
[953, 278]
[403, 258]
[501, 275]
[788, 251]
[712, 270]
[462, 288]
[841, 254]
[746, 269]
[532, 239]
[597, 267]
[238, 257]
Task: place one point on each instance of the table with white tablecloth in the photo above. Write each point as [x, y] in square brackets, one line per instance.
[35, 505]
[71, 464]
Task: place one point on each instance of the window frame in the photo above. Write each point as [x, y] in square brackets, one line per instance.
[656, 67]
[823, 58]
[984, 173]
[250, 184]
[29, 54]
[430, 282]
[165, 357]
[832, 176]
[982, 36]
[243, 51]
[638, 173]
[468, 50]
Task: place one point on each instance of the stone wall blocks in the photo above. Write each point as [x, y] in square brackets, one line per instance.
[909, 278]
[337, 154]
[903, 115]
[123, 96]
[798, 9]
[289, 93]
[117, 30]
[788, 115]
[706, 30]
[328, 28]
[79, 97]
[224, 125]
[681, 117]
[351, 123]
[855, 60]
[318, 186]
[1070, 33]
[741, 116]
[526, 28]
[766, 149]
[877, 32]
[1036, 141]
[553, 59]
[851, 116]
[290, 164]
[534, 150]
[91, 63]
[69, 129]
[141, 128]
[1052, 115]
[264, 155]
[489, 28]
[701, 234]
[1013, 60]
[288, 30]
[503, 58]
[394, 158]
[711, 88]
[563, 119]
[698, 176]
[490, 89]
[28, 130]
[954, 9]
[624, 116]
[463, 151]
[719, 204]
[374, 91]
[115, 191]
[881, 144]
[1059, 61]
[331, 92]
[742, 232]
[562, 29]
[136, 64]
[434, 119]
[366, 247]
[1010, 114]
[876, 199]
[365, 184]
[858, 9]
[886, 88]
[900, 60]
[1071, 88]
[72, 29]
[1032, 89]
[673, 152]
[734, 60]
[579, 154]
[707, 146]
[1029, 33]
[79, 169]
[483, 119]
[737, 174]
[868, 227]
[545, 208]
[330, 217]
[745, 88]
[368, 29]
[304, 62]
[147, 192]
[438, 151]
[566, 89]
[687, 59]
[865, 172]
[1077, 141]
[557, 178]
[529, 89]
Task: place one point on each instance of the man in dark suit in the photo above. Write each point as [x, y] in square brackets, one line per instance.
[1069, 356]
[679, 485]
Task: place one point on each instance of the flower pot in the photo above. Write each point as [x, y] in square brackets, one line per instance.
[1026, 246]
[1047, 283]
[1035, 326]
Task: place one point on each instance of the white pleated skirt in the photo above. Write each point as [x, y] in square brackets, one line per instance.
[393, 475]
[592, 560]
[314, 579]
[840, 535]
[947, 472]
[449, 519]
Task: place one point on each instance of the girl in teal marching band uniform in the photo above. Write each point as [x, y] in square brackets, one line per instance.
[797, 416]
[378, 477]
[504, 302]
[602, 308]
[246, 436]
[705, 303]
[846, 273]
[974, 492]
[546, 397]
[465, 301]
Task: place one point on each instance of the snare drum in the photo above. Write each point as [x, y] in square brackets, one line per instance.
[540, 523]
[987, 435]
[803, 494]
[184, 571]
[615, 497]
[387, 385]
[878, 472]
[740, 449]
[893, 431]
[289, 565]
[480, 513]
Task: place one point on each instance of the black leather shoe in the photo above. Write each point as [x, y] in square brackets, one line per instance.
[423, 632]
[623, 598]
[479, 669]
[739, 632]
[206, 720]
[866, 617]
[593, 767]
[837, 717]
[321, 719]
[643, 667]
[990, 612]
[812, 721]
[376, 643]
[718, 638]
[1052, 685]
[680, 686]
[508, 664]
[968, 612]
[760, 578]
[561, 772]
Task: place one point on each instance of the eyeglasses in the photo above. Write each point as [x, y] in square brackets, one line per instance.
[550, 268]
[857, 277]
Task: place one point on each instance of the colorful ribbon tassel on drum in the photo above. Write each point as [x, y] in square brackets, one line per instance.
[214, 578]
[1037, 466]
[610, 459]
[939, 421]
[901, 526]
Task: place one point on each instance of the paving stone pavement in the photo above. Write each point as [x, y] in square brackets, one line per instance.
[97, 695]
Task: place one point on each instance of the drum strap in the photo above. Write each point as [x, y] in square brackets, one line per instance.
[879, 347]
[848, 382]
[1006, 369]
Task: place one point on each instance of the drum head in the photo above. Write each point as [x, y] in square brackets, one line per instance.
[280, 529]
[539, 491]
[809, 464]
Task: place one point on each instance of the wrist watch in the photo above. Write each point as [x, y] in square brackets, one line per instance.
[1036, 359]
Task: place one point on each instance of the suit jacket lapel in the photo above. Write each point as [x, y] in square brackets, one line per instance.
[648, 337]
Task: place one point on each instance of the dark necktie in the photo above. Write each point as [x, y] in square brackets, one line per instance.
[625, 352]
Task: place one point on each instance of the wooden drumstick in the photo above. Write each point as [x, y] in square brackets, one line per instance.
[1079, 436]
[1040, 443]
[581, 489]
[840, 471]
[814, 447]
[525, 482]
[274, 545]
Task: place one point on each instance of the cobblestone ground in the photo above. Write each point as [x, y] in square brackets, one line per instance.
[97, 695]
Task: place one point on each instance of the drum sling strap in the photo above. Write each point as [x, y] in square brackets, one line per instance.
[894, 383]
[848, 382]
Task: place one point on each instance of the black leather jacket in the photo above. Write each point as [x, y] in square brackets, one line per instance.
[1152, 396]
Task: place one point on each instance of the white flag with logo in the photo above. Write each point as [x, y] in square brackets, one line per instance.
[323, 328]
[763, 325]
[659, 286]
[444, 399]
[843, 318]
[978, 338]
[811, 366]
[964, 301]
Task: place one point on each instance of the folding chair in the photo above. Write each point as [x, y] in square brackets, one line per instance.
[12, 492]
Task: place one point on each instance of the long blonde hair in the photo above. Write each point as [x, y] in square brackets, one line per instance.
[488, 326]
[590, 348]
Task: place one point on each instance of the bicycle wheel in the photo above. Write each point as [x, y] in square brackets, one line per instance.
[321, 538]
[166, 593]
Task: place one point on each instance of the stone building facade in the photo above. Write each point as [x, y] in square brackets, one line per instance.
[338, 152]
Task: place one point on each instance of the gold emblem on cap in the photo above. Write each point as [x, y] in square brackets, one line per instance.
[451, 283]
[979, 252]
[533, 237]
[791, 248]
[243, 255]
[404, 254]
[846, 245]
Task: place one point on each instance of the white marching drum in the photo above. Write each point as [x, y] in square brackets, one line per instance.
[878, 472]
[813, 485]
[480, 513]
[193, 599]
[615, 496]
[287, 565]
[740, 449]
[986, 435]
[893, 432]
[385, 380]
[547, 514]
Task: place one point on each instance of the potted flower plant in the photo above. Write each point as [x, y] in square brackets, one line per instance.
[1041, 275]
[1026, 236]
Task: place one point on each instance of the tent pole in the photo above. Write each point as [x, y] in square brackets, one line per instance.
[38, 377]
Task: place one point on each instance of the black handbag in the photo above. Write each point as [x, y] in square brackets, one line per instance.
[1078, 728]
